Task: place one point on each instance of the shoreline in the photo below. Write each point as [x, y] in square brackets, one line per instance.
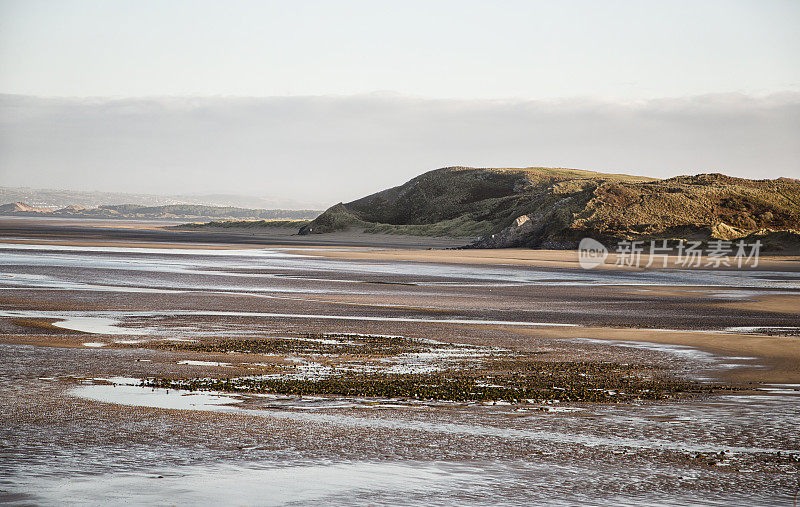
[347, 245]
[521, 257]
[348, 248]
[781, 355]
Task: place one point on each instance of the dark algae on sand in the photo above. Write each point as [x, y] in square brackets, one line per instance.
[358, 366]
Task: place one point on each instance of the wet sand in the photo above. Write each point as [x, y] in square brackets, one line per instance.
[15, 228]
[789, 304]
[525, 257]
[81, 317]
[780, 355]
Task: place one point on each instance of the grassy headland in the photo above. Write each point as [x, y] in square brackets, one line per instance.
[554, 208]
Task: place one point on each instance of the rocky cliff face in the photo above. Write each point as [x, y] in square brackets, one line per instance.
[515, 234]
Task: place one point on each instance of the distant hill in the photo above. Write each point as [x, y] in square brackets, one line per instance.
[170, 211]
[21, 207]
[554, 208]
[54, 199]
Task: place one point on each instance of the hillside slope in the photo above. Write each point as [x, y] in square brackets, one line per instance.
[21, 207]
[555, 208]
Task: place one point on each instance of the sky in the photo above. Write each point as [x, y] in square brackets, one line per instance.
[327, 101]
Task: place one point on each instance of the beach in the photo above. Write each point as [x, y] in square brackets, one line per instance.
[141, 360]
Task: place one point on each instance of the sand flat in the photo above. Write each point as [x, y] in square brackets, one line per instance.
[779, 354]
[68, 410]
[520, 257]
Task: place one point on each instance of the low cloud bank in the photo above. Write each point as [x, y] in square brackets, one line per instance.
[330, 149]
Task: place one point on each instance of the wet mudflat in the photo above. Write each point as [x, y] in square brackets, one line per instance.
[105, 439]
[265, 358]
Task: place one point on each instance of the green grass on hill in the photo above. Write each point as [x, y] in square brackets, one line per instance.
[565, 205]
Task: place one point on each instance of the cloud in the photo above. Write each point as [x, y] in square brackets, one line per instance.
[335, 148]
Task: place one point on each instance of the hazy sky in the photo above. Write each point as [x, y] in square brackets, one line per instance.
[444, 49]
[334, 99]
